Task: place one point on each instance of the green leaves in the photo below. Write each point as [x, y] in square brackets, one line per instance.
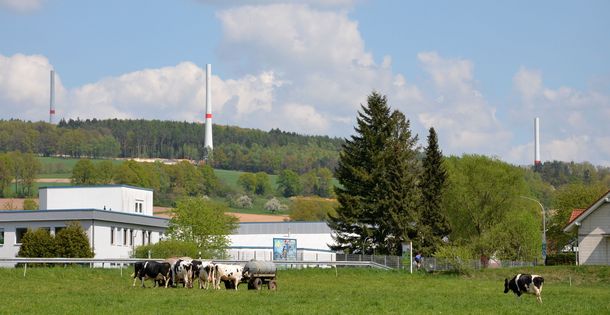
[377, 171]
[203, 223]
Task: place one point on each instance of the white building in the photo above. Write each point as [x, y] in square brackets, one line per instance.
[116, 218]
[255, 240]
[593, 229]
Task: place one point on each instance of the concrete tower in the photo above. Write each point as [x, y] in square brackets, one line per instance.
[207, 144]
[52, 101]
[537, 162]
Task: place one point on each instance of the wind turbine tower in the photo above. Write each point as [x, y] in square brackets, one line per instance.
[207, 143]
[52, 100]
[537, 163]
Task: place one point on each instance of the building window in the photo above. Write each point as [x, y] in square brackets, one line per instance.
[143, 237]
[58, 229]
[124, 236]
[19, 233]
[130, 237]
[112, 235]
[140, 207]
[1, 236]
[148, 233]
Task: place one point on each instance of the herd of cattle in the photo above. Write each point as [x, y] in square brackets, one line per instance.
[185, 271]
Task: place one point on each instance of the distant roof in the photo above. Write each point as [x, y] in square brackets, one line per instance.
[575, 219]
[575, 214]
[97, 186]
[283, 228]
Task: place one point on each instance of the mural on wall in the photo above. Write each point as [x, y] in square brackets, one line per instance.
[284, 249]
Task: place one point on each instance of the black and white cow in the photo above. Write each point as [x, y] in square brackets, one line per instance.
[524, 283]
[204, 272]
[150, 269]
[183, 272]
[230, 274]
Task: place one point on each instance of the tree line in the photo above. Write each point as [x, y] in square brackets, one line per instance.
[18, 171]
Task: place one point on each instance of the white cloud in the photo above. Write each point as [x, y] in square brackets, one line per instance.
[573, 123]
[22, 5]
[458, 111]
[24, 87]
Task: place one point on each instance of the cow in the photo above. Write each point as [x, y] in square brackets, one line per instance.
[230, 274]
[524, 283]
[183, 272]
[204, 272]
[151, 269]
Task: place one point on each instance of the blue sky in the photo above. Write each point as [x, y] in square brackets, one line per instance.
[476, 71]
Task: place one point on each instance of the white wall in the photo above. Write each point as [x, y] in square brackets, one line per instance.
[311, 241]
[115, 198]
[593, 242]
[100, 243]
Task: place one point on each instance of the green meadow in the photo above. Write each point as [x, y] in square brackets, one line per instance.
[74, 290]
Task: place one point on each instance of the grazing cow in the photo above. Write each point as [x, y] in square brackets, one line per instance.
[230, 274]
[204, 272]
[183, 272]
[524, 283]
[151, 270]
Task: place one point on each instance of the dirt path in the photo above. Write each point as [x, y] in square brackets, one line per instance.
[53, 180]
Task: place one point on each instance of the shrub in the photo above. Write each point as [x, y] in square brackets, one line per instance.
[458, 257]
[561, 259]
[30, 204]
[274, 205]
[243, 202]
[37, 243]
[170, 248]
[72, 242]
[311, 208]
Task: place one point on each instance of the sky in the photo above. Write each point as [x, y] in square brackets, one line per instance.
[479, 72]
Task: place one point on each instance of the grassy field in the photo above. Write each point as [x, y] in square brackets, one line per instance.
[309, 291]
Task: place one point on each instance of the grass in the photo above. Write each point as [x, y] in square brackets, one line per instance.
[230, 178]
[307, 291]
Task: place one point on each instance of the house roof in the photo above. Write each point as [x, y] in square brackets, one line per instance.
[575, 214]
[577, 218]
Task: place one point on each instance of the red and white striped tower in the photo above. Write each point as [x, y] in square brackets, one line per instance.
[207, 143]
[537, 142]
[52, 101]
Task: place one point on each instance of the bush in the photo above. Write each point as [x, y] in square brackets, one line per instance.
[458, 257]
[171, 248]
[37, 243]
[30, 204]
[72, 242]
[243, 202]
[311, 208]
[561, 259]
[274, 205]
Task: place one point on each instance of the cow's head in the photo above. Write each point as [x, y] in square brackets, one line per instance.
[506, 288]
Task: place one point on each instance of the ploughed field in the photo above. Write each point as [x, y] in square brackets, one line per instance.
[81, 290]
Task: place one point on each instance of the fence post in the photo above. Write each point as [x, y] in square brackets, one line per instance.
[25, 269]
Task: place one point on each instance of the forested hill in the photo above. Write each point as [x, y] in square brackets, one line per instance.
[234, 148]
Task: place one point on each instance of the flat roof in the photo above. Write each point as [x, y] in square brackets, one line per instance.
[81, 214]
[291, 227]
[96, 186]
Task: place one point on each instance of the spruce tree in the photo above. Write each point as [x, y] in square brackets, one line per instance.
[377, 196]
[433, 224]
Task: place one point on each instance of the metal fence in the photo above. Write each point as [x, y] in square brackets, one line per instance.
[439, 264]
[125, 262]
[392, 262]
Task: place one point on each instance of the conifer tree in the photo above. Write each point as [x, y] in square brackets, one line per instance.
[378, 193]
[433, 225]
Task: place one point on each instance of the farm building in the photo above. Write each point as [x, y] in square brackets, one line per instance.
[116, 218]
[266, 241]
[593, 230]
